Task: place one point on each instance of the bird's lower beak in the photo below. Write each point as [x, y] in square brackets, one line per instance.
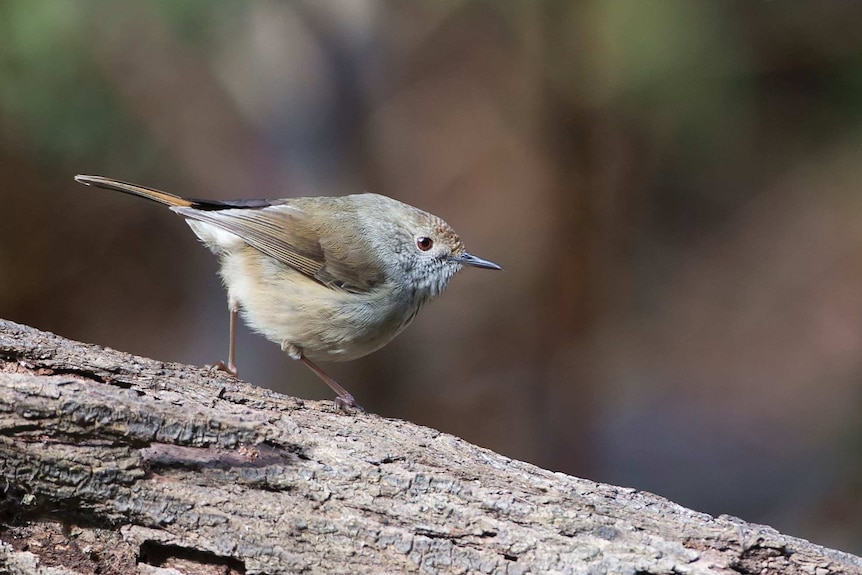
[476, 262]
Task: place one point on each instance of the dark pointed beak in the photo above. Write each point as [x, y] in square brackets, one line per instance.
[476, 262]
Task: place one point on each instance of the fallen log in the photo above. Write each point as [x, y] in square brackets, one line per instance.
[113, 463]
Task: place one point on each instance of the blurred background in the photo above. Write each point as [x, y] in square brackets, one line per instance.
[672, 187]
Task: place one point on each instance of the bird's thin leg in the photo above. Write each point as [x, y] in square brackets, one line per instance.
[231, 354]
[344, 399]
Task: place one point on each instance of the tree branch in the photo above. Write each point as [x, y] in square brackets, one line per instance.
[119, 464]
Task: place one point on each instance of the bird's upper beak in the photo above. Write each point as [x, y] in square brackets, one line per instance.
[476, 262]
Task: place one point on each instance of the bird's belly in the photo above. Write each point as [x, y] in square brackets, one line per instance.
[326, 324]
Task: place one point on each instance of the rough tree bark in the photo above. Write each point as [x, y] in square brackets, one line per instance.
[113, 463]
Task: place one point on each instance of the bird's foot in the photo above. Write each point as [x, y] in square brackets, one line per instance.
[343, 402]
[222, 366]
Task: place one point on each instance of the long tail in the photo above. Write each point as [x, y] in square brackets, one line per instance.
[135, 190]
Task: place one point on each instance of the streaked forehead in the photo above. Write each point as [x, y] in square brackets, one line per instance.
[425, 222]
[448, 235]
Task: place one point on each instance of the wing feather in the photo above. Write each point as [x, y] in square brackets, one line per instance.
[286, 233]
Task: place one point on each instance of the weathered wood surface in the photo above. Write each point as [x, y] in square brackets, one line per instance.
[113, 463]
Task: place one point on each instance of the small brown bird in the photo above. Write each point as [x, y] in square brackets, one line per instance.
[326, 278]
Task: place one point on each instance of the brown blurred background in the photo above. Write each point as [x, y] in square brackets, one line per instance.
[673, 187]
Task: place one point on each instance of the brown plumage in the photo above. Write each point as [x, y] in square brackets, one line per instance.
[327, 278]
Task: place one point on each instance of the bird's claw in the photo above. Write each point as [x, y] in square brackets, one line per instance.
[342, 403]
[222, 366]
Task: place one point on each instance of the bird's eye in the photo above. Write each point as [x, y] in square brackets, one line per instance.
[424, 243]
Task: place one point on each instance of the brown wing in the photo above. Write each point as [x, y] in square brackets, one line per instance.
[286, 232]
